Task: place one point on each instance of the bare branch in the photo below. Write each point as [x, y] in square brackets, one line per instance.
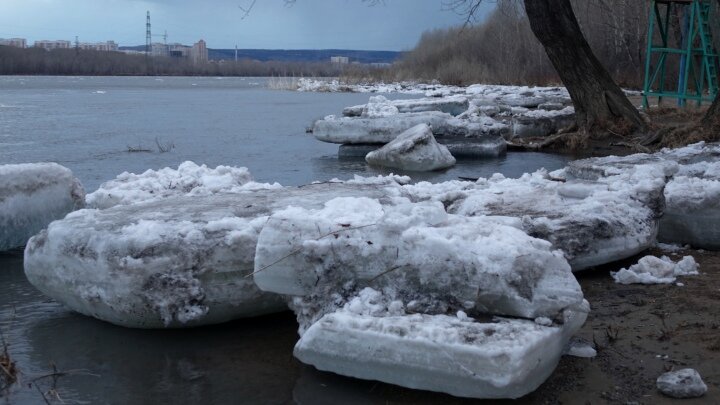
[246, 10]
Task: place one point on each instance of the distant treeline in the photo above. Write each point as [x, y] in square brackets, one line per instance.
[36, 61]
[504, 50]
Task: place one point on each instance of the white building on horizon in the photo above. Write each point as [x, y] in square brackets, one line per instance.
[16, 42]
[108, 46]
[49, 45]
[343, 60]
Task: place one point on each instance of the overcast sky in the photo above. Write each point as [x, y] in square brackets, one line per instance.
[308, 24]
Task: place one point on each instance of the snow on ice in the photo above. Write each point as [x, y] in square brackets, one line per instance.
[592, 222]
[188, 179]
[31, 196]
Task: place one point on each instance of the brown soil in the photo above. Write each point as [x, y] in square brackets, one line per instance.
[642, 331]
[670, 126]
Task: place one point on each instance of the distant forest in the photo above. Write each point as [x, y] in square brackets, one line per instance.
[503, 49]
[36, 61]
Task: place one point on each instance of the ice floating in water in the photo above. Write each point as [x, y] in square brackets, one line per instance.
[345, 130]
[415, 150]
[189, 179]
[33, 195]
[653, 270]
[172, 262]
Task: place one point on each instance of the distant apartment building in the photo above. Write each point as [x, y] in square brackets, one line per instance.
[16, 42]
[159, 49]
[49, 45]
[199, 52]
[109, 46]
[178, 50]
[343, 60]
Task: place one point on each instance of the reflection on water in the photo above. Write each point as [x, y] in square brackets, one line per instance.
[249, 360]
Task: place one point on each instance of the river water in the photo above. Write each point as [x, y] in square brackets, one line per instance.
[88, 124]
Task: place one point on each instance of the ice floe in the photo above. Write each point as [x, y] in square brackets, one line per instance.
[654, 270]
[170, 262]
[692, 212]
[471, 122]
[31, 196]
[372, 282]
[501, 358]
[592, 222]
[414, 150]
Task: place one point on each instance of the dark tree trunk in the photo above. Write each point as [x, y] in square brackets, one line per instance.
[600, 104]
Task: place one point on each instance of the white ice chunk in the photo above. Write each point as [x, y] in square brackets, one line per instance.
[172, 262]
[189, 179]
[379, 106]
[685, 383]
[654, 270]
[580, 348]
[591, 222]
[31, 196]
[415, 150]
[415, 251]
[503, 358]
[692, 212]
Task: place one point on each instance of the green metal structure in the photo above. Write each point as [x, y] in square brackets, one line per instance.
[698, 77]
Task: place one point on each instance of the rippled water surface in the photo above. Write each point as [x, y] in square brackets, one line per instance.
[87, 124]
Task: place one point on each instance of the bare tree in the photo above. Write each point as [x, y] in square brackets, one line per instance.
[599, 102]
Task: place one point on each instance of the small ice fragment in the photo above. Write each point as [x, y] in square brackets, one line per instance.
[685, 383]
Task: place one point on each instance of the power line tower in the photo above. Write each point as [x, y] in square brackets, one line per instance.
[697, 78]
[148, 35]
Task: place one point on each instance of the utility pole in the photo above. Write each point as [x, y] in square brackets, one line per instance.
[77, 45]
[148, 35]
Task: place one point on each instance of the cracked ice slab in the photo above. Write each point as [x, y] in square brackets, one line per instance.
[503, 358]
[172, 262]
[31, 196]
